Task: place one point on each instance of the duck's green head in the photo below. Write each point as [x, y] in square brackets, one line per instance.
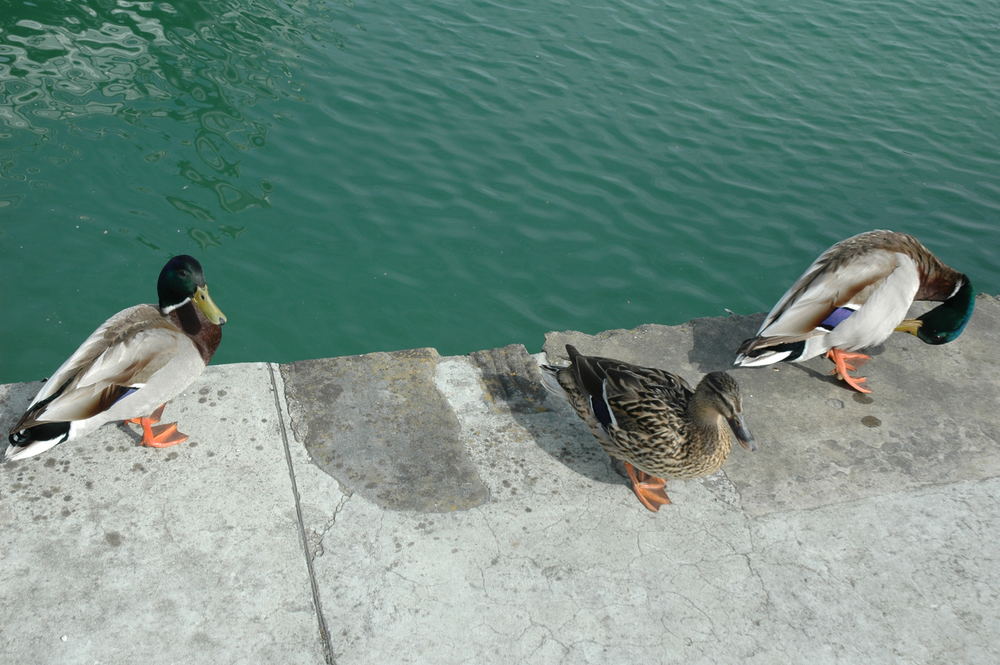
[945, 322]
[182, 281]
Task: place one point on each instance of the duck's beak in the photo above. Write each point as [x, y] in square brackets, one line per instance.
[743, 435]
[204, 302]
[911, 326]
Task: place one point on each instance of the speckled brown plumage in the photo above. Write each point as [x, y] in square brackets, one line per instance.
[651, 418]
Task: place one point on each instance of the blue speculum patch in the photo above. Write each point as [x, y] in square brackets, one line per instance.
[125, 394]
[836, 317]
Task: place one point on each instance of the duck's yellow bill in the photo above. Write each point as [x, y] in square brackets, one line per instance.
[910, 326]
[204, 302]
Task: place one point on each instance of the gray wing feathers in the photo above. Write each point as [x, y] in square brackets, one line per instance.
[830, 282]
[131, 349]
[131, 362]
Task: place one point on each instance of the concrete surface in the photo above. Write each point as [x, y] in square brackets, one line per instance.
[407, 508]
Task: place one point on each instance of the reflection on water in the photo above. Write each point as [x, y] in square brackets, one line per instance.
[181, 81]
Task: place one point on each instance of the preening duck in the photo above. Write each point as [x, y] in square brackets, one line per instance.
[651, 420]
[854, 296]
[133, 363]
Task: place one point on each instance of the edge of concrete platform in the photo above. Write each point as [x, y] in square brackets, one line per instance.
[320, 504]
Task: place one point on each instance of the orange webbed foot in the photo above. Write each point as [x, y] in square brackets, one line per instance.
[650, 490]
[843, 368]
[160, 436]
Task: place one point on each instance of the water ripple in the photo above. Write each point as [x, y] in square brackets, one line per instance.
[472, 174]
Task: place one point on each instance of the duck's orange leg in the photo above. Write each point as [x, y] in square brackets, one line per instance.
[650, 490]
[843, 368]
[160, 436]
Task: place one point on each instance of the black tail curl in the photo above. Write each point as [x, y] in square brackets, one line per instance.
[44, 432]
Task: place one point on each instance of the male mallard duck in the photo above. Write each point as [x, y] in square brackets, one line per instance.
[854, 296]
[651, 420]
[138, 359]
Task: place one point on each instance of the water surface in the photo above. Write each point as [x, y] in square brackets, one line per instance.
[362, 176]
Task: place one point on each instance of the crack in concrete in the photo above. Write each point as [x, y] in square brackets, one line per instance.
[324, 632]
[496, 539]
[748, 558]
[551, 636]
[318, 549]
[736, 489]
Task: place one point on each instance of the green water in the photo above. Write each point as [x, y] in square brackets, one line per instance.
[362, 176]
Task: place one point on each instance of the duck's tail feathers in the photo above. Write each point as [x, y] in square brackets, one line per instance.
[35, 440]
[761, 351]
[550, 380]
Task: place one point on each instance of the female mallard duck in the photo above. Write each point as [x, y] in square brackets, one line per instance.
[138, 359]
[854, 296]
[651, 420]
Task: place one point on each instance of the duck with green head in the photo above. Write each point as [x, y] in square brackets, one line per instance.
[854, 296]
[128, 368]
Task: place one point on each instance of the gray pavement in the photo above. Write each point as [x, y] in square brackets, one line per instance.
[410, 508]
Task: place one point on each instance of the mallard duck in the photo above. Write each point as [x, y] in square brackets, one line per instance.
[651, 420]
[854, 296]
[138, 359]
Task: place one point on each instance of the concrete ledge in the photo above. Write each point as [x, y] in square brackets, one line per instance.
[407, 508]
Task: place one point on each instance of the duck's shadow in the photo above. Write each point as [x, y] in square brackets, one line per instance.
[715, 340]
[512, 376]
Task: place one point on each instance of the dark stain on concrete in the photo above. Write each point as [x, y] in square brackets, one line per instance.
[378, 424]
[113, 538]
[861, 398]
[871, 421]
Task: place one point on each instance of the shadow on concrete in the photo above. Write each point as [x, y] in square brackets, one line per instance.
[511, 375]
[716, 340]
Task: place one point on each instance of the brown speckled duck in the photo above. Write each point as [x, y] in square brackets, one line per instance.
[133, 363]
[651, 420]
